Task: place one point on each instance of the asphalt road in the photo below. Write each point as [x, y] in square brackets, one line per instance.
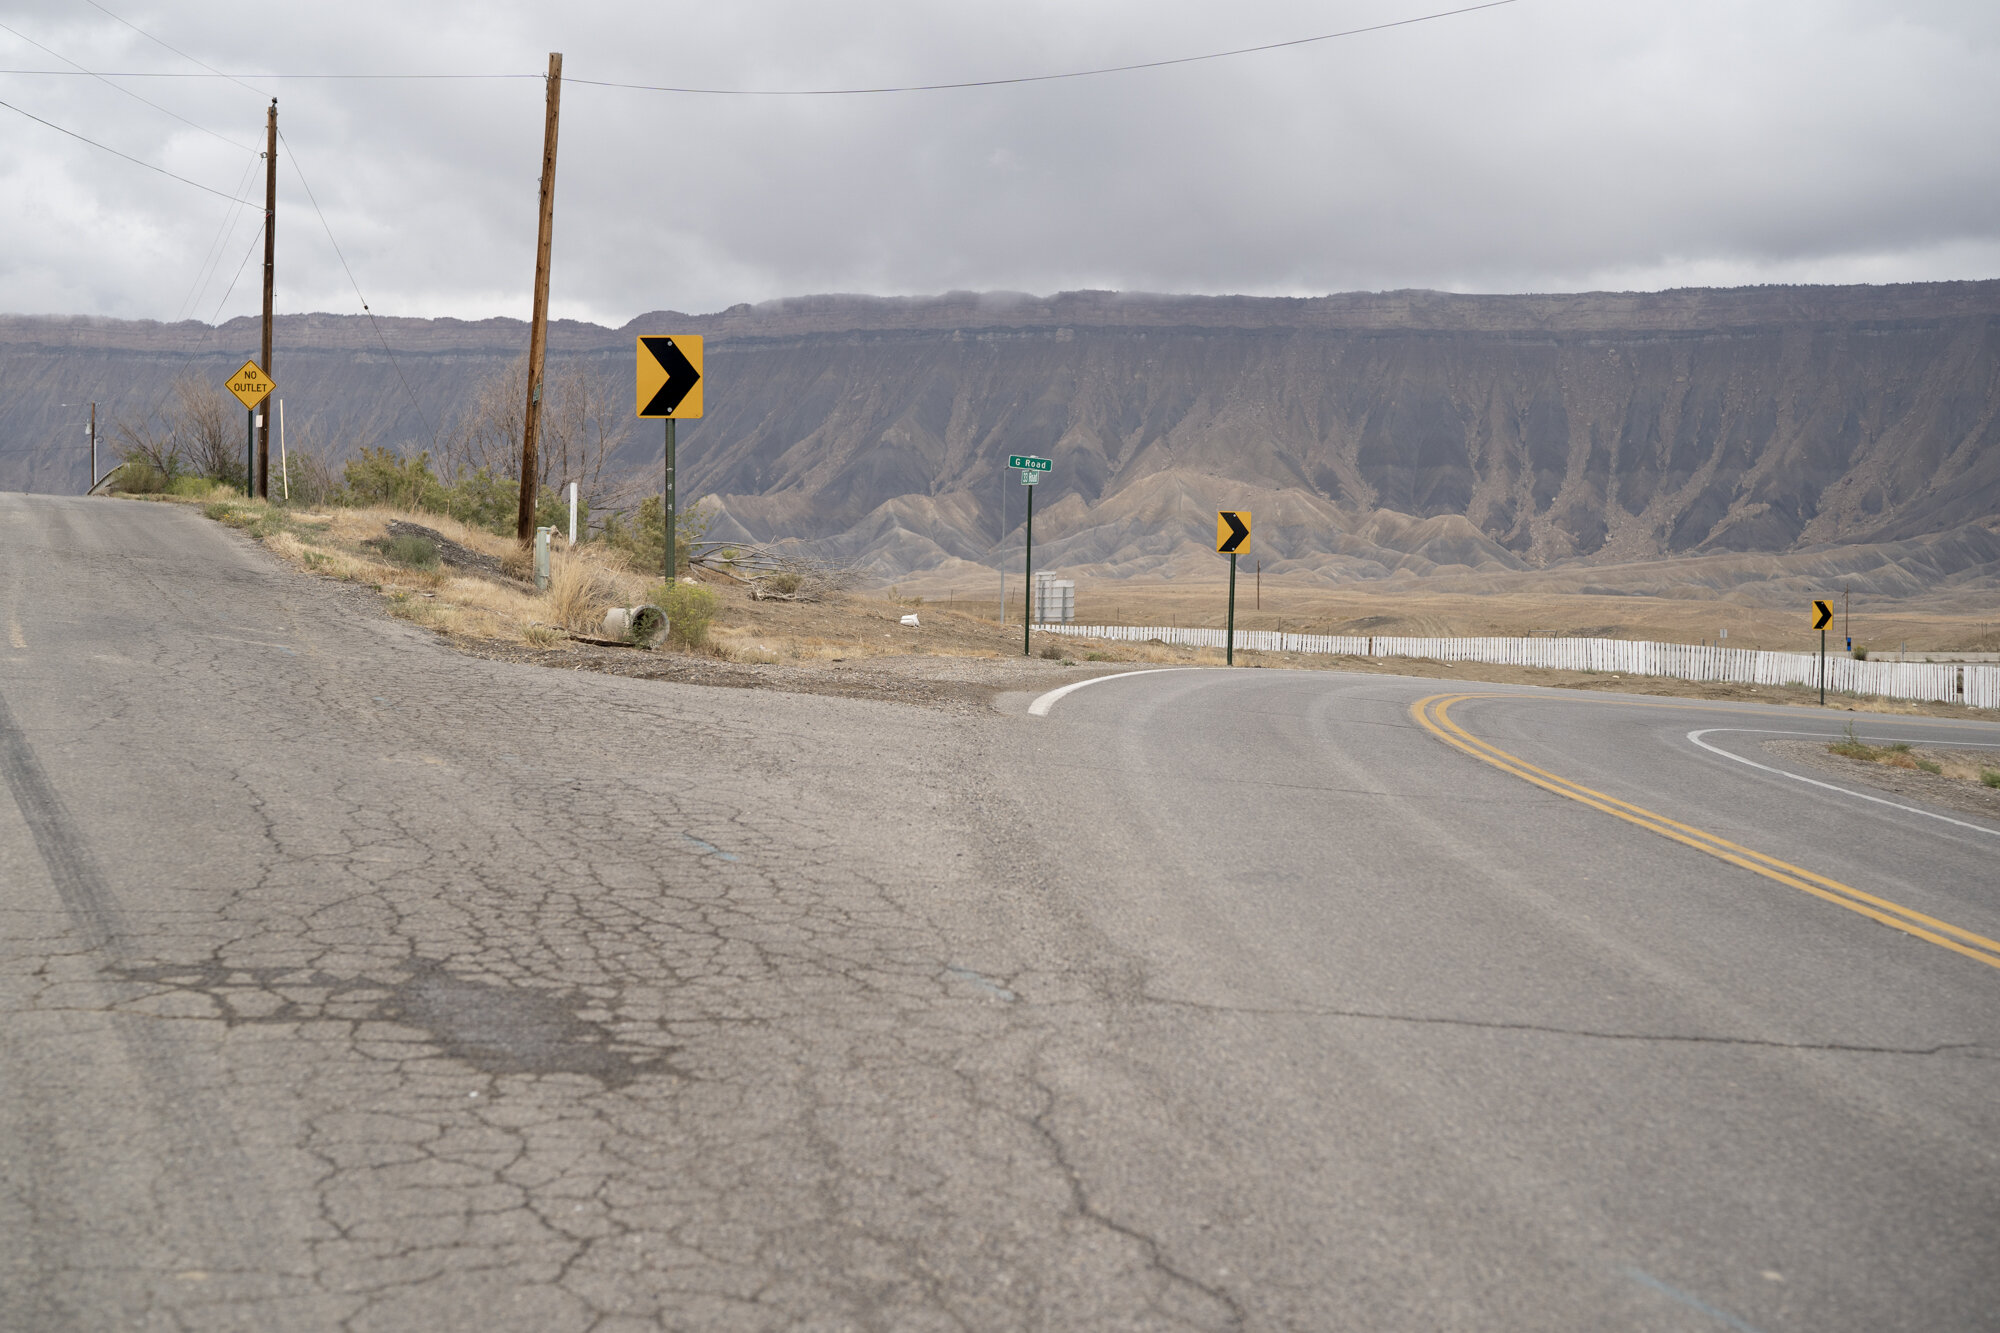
[349, 982]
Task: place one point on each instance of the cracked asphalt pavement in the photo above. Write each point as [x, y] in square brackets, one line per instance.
[350, 982]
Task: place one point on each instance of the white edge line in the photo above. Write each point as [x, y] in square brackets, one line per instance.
[1696, 737]
[1041, 706]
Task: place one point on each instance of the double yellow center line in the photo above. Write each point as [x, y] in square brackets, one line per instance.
[1434, 715]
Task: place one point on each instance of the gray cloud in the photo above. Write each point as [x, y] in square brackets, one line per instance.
[1547, 145]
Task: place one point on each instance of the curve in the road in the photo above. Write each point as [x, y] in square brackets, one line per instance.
[1043, 703]
[1695, 738]
[1433, 714]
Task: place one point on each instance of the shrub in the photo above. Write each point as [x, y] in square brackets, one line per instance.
[190, 487]
[1990, 777]
[643, 536]
[137, 476]
[1852, 746]
[1930, 766]
[481, 500]
[1861, 654]
[690, 610]
[384, 477]
[412, 552]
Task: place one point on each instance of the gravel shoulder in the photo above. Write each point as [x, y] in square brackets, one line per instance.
[953, 684]
[1946, 793]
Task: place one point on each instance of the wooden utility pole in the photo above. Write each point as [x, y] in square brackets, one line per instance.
[538, 330]
[270, 274]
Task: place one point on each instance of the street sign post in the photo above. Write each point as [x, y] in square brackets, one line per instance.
[1031, 469]
[667, 384]
[1232, 538]
[251, 386]
[1822, 617]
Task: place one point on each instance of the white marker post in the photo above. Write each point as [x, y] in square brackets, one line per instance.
[572, 513]
[284, 469]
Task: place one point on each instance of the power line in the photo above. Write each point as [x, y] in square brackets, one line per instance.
[1044, 78]
[213, 255]
[218, 74]
[106, 81]
[693, 91]
[291, 155]
[209, 335]
[159, 41]
[127, 156]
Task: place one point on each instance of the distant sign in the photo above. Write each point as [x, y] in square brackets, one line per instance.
[668, 378]
[1029, 463]
[1822, 614]
[1232, 531]
[251, 385]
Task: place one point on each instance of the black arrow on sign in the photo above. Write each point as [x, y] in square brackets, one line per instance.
[1238, 534]
[1822, 615]
[681, 376]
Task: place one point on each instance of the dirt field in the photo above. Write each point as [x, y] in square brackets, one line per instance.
[1404, 607]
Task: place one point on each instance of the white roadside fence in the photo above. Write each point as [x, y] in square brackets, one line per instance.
[1943, 682]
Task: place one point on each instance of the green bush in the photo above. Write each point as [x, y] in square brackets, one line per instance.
[643, 535]
[690, 610]
[136, 476]
[1930, 766]
[1990, 777]
[412, 551]
[189, 486]
[481, 500]
[384, 477]
[1861, 654]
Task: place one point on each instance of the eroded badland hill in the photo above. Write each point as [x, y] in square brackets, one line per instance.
[1776, 432]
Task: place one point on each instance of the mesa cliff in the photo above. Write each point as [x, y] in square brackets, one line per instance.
[1372, 434]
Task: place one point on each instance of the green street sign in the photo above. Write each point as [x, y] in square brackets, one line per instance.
[1029, 463]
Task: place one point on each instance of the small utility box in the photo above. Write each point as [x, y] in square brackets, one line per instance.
[1055, 599]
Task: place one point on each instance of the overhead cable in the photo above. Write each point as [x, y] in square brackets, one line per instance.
[106, 81]
[292, 156]
[81, 138]
[696, 91]
[161, 41]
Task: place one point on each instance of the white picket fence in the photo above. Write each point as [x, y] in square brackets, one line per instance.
[1946, 682]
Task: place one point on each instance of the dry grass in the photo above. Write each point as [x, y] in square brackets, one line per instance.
[345, 544]
[584, 584]
[1944, 763]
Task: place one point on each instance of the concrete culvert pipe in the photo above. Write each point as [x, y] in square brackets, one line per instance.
[643, 625]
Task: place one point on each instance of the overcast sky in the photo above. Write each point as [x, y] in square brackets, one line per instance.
[1543, 145]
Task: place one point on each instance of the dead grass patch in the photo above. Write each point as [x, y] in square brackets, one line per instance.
[583, 586]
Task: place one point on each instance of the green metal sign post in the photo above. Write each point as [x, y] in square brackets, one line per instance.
[1031, 469]
[1229, 649]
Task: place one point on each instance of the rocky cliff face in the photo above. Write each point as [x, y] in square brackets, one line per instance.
[1370, 433]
